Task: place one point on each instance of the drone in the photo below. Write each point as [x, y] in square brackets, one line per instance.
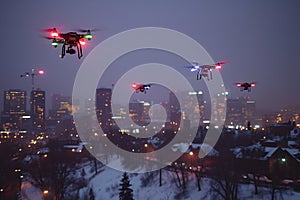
[69, 40]
[140, 87]
[245, 85]
[203, 70]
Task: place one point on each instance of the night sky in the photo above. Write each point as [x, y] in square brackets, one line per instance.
[260, 39]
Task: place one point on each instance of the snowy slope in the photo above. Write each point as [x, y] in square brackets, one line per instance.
[106, 184]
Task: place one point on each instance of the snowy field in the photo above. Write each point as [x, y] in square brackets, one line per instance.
[106, 184]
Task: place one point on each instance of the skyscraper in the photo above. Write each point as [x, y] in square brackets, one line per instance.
[240, 111]
[139, 111]
[14, 107]
[103, 107]
[37, 108]
[218, 104]
[14, 102]
[192, 111]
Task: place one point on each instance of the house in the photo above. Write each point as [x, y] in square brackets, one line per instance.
[261, 160]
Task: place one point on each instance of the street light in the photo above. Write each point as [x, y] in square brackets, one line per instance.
[45, 194]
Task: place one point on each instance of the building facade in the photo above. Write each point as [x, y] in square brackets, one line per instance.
[14, 108]
[38, 109]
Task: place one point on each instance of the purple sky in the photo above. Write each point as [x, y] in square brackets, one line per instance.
[261, 40]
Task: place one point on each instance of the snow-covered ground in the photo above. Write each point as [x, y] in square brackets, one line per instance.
[145, 186]
[106, 187]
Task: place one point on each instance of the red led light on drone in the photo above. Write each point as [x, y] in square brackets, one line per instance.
[82, 42]
[54, 34]
[41, 72]
[218, 67]
[134, 85]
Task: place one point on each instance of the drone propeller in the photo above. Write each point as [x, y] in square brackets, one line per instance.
[49, 30]
[222, 62]
[59, 40]
[86, 30]
[48, 38]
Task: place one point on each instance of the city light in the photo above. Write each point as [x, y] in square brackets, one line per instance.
[45, 192]
[26, 117]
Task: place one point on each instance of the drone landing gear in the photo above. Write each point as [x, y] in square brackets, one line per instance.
[79, 50]
[199, 76]
[71, 51]
[63, 51]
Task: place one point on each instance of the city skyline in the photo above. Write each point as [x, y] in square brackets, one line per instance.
[259, 39]
[239, 111]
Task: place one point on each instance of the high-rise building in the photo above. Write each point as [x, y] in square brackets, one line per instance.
[190, 111]
[219, 107]
[251, 111]
[37, 108]
[14, 102]
[174, 110]
[103, 107]
[14, 107]
[240, 111]
[139, 112]
[193, 111]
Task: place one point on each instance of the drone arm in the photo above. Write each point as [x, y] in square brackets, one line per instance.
[79, 50]
[199, 75]
[63, 50]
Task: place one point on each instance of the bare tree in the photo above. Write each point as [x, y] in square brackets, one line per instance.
[224, 182]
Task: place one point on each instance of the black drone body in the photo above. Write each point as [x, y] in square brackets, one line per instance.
[245, 85]
[69, 40]
[141, 87]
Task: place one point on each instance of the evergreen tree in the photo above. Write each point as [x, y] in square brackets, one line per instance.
[125, 190]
